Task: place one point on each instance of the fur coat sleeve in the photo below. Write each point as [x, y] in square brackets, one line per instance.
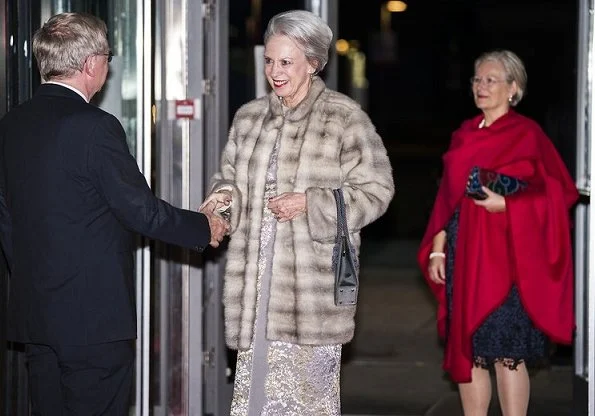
[365, 176]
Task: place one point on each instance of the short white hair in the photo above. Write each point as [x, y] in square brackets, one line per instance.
[513, 67]
[308, 30]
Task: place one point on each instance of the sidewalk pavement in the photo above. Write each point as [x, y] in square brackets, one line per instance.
[393, 365]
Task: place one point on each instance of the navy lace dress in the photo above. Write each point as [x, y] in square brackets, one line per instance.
[507, 335]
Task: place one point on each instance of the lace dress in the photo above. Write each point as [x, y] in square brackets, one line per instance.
[276, 378]
[508, 334]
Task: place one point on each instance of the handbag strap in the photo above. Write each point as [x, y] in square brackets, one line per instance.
[342, 230]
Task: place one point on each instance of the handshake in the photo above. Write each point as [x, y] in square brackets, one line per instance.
[212, 208]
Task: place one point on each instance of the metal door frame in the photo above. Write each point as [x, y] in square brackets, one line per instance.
[180, 179]
[144, 159]
[584, 354]
[218, 387]
[3, 267]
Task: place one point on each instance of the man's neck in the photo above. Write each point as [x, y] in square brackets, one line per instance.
[74, 85]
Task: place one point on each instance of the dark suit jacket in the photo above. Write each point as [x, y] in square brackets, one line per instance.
[71, 198]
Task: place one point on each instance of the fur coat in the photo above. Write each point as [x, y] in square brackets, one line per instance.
[326, 142]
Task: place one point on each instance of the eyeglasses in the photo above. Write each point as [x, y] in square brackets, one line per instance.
[109, 55]
[489, 81]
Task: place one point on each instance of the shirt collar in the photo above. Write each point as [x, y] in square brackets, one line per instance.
[69, 87]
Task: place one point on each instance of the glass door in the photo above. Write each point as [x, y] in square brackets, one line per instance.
[121, 93]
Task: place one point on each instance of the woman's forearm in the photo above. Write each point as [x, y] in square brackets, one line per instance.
[439, 242]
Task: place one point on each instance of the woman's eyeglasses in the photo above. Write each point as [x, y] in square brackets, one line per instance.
[489, 81]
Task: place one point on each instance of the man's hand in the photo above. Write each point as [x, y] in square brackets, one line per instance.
[288, 205]
[218, 225]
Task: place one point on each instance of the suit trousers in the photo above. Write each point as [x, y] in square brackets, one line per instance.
[82, 380]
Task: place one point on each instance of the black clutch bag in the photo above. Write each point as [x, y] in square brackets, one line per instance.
[345, 261]
[494, 181]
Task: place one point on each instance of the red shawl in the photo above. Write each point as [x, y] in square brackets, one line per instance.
[528, 245]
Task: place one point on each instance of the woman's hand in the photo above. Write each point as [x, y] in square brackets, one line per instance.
[493, 203]
[437, 270]
[218, 225]
[288, 205]
[221, 199]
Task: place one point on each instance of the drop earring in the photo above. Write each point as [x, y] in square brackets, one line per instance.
[510, 99]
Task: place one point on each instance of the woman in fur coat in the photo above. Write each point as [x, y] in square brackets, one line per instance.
[286, 153]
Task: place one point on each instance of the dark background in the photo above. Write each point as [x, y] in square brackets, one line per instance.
[417, 99]
[418, 86]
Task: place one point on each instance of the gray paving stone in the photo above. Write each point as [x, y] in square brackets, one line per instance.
[393, 365]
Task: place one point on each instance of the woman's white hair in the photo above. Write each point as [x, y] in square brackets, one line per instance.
[513, 67]
[308, 30]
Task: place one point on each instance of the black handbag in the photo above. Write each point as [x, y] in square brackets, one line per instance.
[345, 262]
[496, 182]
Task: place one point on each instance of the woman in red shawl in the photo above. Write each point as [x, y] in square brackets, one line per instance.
[500, 267]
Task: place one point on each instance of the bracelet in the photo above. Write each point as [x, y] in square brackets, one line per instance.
[437, 254]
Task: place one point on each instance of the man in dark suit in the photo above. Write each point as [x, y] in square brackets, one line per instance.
[71, 198]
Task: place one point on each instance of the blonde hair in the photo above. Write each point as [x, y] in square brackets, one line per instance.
[513, 67]
[65, 41]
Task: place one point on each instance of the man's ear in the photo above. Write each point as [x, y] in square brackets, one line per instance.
[90, 66]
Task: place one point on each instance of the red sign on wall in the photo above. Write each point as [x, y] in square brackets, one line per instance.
[185, 109]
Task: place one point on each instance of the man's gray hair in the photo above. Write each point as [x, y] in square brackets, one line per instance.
[65, 41]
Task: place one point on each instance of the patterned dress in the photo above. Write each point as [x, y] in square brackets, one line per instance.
[507, 335]
[275, 378]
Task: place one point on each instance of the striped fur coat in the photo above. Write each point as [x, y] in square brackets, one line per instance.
[327, 142]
